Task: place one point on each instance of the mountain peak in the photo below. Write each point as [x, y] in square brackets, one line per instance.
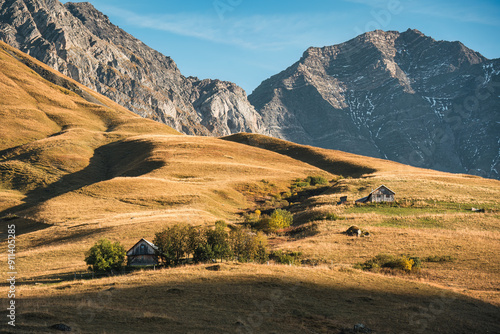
[402, 96]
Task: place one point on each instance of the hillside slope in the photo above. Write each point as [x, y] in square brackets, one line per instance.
[70, 144]
[82, 43]
[400, 96]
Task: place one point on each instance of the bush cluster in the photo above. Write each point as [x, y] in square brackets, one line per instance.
[402, 262]
[278, 220]
[309, 181]
[291, 258]
[208, 245]
[316, 180]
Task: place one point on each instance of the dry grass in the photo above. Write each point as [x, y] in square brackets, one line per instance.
[250, 298]
[75, 171]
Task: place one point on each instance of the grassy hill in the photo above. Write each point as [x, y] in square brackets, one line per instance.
[75, 167]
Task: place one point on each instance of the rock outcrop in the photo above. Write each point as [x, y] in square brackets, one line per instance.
[399, 96]
[82, 43]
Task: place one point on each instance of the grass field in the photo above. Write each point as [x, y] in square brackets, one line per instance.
[76, 167]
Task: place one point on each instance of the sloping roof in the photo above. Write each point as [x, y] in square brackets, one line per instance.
[147, 242]
[362, 200]
[385, 188]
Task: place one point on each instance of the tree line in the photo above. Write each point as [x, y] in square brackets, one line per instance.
[180, 242]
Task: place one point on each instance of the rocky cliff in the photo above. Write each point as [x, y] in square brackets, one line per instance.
[81, 42]
[401, 96]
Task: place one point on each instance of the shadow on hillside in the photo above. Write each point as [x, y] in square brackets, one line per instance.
[302, 153]
[124, 158]
[246, 303]
[22, 225]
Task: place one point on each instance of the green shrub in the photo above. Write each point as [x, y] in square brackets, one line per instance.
[301, 184]
[305, 230]
[218, 239]
[402, 262]
[203, 253]
[291, 258]
[316, 180]
[247, 246]
[417, 262]
[105, 256]
[279, 219]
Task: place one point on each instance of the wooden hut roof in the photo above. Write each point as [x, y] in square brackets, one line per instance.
[138, 242]
[385, 188]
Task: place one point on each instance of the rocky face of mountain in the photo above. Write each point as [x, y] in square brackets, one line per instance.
[82, 43]
[400, 96]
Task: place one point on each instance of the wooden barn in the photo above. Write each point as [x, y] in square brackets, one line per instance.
[143, 253]
[381, 194]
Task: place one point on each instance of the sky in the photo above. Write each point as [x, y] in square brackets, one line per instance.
[247, 41]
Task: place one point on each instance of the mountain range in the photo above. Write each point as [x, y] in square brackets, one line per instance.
[399, 96]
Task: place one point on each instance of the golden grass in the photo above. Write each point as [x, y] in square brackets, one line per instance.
[241, 298]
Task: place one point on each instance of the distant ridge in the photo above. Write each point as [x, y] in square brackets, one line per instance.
[399, 96]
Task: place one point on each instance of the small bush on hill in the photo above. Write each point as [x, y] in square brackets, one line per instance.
[402, 262]
[292, 258]
[105, 256]
[316, 180]
[333, 216]
[279, 219]
[303, 231]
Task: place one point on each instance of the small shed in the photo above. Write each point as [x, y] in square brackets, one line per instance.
[143, 253]
[381, 194]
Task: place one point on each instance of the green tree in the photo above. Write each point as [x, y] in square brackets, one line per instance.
[261, 253]
[218, 240]
[173, 243]
[248, 246]
[203, 253]
[105, 256]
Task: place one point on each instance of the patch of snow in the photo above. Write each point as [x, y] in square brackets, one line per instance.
[439, 105]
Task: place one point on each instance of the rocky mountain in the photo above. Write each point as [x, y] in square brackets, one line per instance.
[400, 96]
[82, 43]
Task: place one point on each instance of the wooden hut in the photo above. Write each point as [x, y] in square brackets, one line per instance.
[143, 253]
[381, 194]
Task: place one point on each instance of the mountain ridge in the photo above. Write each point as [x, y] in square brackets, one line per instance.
[81, 42]
[399, 96]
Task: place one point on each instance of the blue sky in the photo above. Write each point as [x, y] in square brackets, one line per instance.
[246, 41]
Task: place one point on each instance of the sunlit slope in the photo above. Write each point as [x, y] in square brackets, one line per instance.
[363, 174]
[49, 131]
[67, 152]
[38, 102]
